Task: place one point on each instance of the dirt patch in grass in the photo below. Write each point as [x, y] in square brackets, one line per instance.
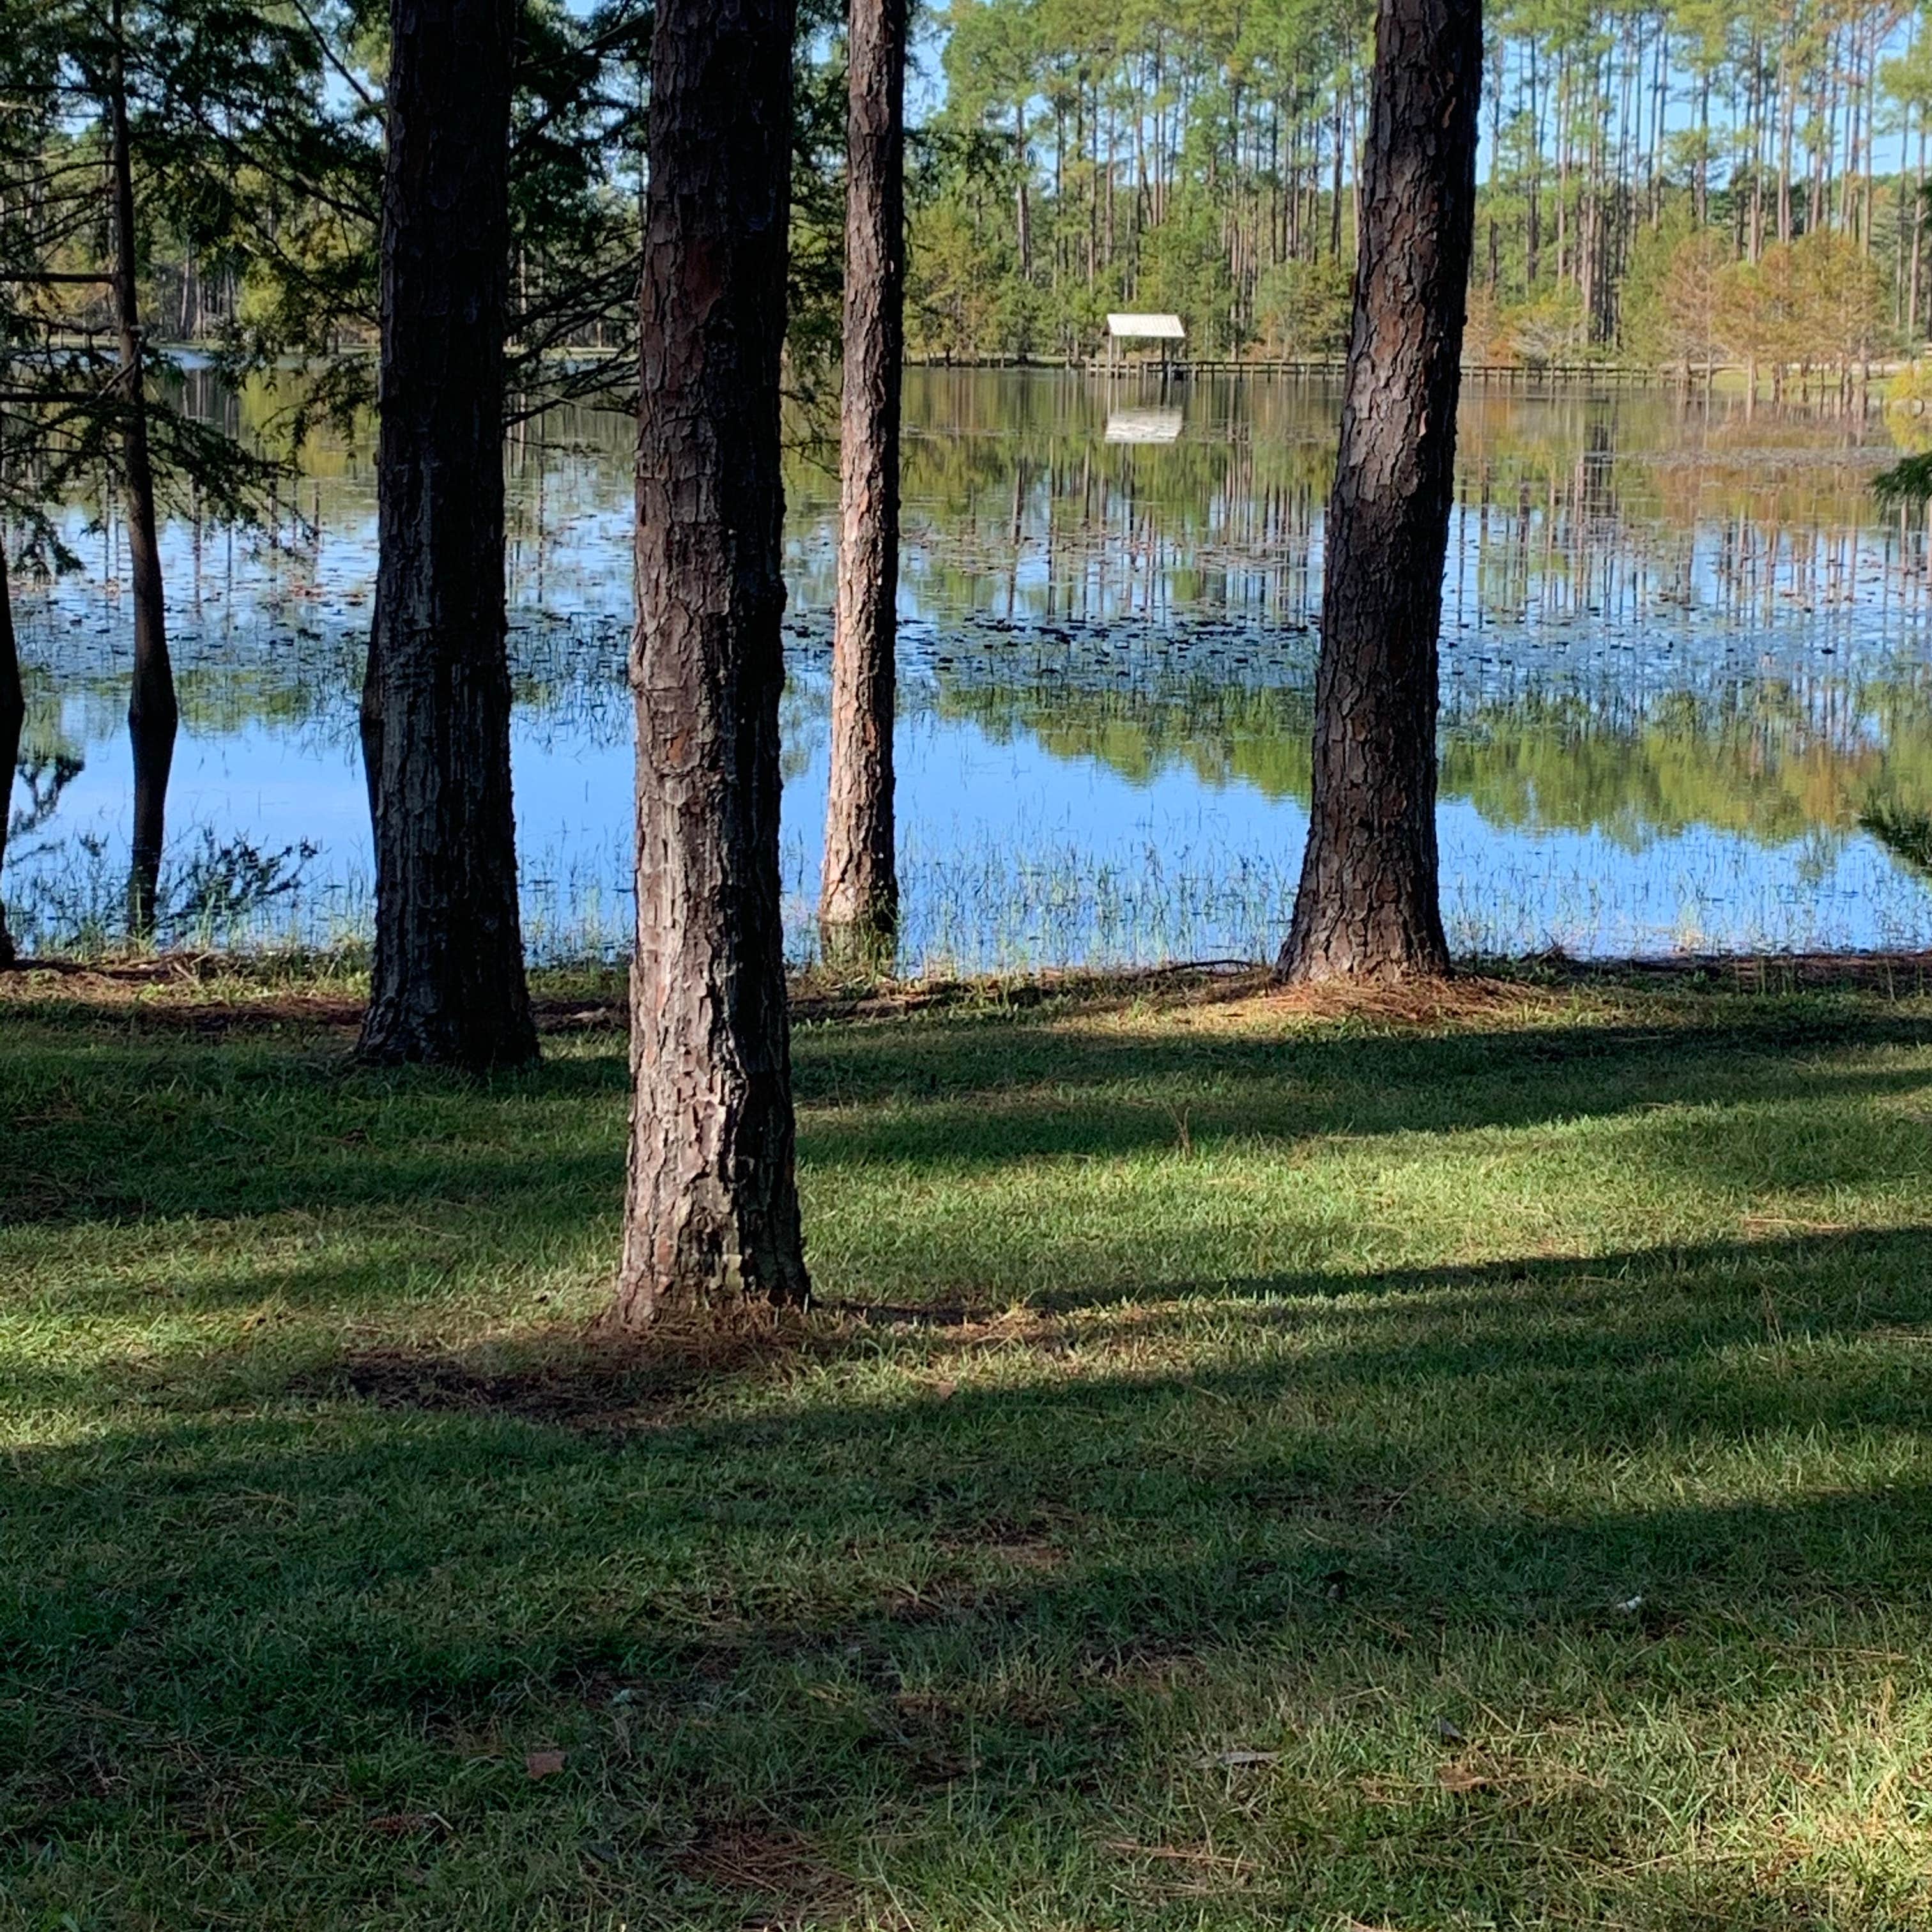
[1416, 1002]
[597, 1378]
[780, 1868]
[595, 1382]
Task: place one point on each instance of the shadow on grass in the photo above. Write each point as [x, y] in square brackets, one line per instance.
[1606, 1350]
[1594, 1590]
[146, 1128]
[980, 1098]
[1521, 1583]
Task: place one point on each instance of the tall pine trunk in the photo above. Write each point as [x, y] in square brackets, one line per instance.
[154, 718]
[858, 909]
[1367, 905]
[447, 983]
[12, 722]
[712, 1217]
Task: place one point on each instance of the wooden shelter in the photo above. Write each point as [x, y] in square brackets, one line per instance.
[1164, 329]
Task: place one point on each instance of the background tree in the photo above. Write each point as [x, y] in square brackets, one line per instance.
[154, 717]
[1186, 155]
[858, 910]
[13, 718]
[1367, 906]
[123, 120]
[712, 1214]
[447, 983]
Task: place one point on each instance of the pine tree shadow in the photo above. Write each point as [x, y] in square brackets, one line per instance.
[1477, 1568]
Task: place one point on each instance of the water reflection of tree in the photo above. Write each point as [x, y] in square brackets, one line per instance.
[1662, 614]
[1906, 834]
[1769, 762]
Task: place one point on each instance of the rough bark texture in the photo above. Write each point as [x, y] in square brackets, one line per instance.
[447, 984]
[859, 902]
[13, 720]
[1367, 905]
[711, 1219]
[154, 718]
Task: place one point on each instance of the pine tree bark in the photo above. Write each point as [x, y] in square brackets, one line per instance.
[447, 980]
[1367, 906]
[154, 717]
[711, 1216]
[12, 722]
[858, 910]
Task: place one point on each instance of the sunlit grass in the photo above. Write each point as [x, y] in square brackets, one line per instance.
[1250, 1467]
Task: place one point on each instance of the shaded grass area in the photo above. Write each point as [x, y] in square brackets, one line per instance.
[1254, 1466]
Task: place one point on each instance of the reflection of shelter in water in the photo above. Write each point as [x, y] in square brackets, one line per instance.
[1143, 425]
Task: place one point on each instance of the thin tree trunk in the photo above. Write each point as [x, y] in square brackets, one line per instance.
[1022, 205]
[1898, 218]
[1335, 192]
[1533, 240]
[1701, 192]
[1786, 131]
[154, 718]
[12, 721]
[711, 1217]
[1917, 233]
[1563, 266]
[1367, 905]
[1868, 182]
[447, 983]
[858, 907]
[1757, 149]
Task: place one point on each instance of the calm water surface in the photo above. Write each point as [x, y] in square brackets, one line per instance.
[1683, 654]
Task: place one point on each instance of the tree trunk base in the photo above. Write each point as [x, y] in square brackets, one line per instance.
[729, 1322]
[720, 1298]
[1308, 964]
[392, 1038]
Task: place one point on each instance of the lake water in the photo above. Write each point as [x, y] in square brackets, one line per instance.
[1683, 654]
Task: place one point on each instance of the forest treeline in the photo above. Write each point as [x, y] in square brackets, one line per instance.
[1685, 183]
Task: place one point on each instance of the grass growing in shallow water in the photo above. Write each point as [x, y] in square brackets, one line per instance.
[1461, 1466]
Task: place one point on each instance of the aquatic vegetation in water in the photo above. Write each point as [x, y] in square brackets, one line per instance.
[1682, 653]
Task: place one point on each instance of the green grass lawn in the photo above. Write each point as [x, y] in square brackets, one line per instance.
[1249, 1469]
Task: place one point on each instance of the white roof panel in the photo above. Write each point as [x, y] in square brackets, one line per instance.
[1153, 328]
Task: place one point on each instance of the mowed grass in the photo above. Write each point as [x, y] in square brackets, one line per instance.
[1249, 1468]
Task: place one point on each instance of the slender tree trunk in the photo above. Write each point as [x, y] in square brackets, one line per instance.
[1022, 203]
[1701, 188]
[1917, 233]
[1367, 905]
[12, 721]
[1786, 132]
[1868, 158]
[858, 907]
[447, 985]
[1563, 265]
[154, 718]
[1757, 80]
[1335, 191]
[1533, 240]
[712, 1220]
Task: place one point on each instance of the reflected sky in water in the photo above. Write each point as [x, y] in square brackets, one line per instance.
[1683, 654]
